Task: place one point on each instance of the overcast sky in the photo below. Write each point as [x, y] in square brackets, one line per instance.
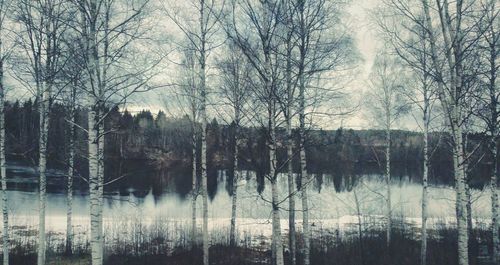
[366, 41]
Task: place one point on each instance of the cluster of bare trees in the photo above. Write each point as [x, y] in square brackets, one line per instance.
[449, 49]
[280, 55]
[274, 64]
[79, 53]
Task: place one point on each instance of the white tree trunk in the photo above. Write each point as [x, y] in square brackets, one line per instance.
[94, 118]
[425, 192]
[291, 192]
[193, 190]
[388, 214]
[495, 222]
[461, 200]
[305, 205]
[291, 181]
[236, 178]
[303, 163]
[232, 236]
[93, 157]
[69, 188]
[100, 179]
[3, 167]
[42, 167]
[204, 191]
[204, 188]
[277, 241]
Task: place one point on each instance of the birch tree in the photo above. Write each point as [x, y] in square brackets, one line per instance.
[109, 31]
[388, 105]
[187, 97]
[5, 7]
[488, 111]
[42, 43]
[72, 74]
[200, 32]
[289, 112]
[255, 29]
[192, 94]
[405, 31]
[324, 46]
[452, 94]
[235, 74]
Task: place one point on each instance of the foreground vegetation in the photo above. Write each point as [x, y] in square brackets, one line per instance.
[328, 247]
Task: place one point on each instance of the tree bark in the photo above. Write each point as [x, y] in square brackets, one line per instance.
[276, 223]
[93, 157]
[203, 114]
[495, 224]
[236, 178]
[303, 172]
[194, 187]
[463, 253]
[44, 104]
[100, 179]
[425, 192]
[291, 182]
[71, 163]
[453, 110]
[388, 213]
[3, 167]
[94, 119]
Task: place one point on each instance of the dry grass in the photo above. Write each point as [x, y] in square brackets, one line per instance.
[61, 260]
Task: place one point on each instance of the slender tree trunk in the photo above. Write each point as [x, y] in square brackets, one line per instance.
[204, 188]
[203, 113]
[388, 215]
[194, 188]
[495, 224]
[100, 179]
[93, 157]
[470, 226]
[452, 109]
[303, 173]
[276, 223]
[94, 119]
[291, 182]
[42, 167]
[425, 192]
[461, 203]
[3, 168]
[236, 178]
[469, 196]
[71, 164]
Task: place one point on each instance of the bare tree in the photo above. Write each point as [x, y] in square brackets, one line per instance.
[42, 42]
[200, 31]
[187, 97]
[407, 35]
[5, 7]
[255, 29]
[388, 106]
[453, 94]
[235, 73]
[323, 46]
[109, 30]
[488, 110]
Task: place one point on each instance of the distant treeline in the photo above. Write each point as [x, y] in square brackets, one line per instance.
[158, 145]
